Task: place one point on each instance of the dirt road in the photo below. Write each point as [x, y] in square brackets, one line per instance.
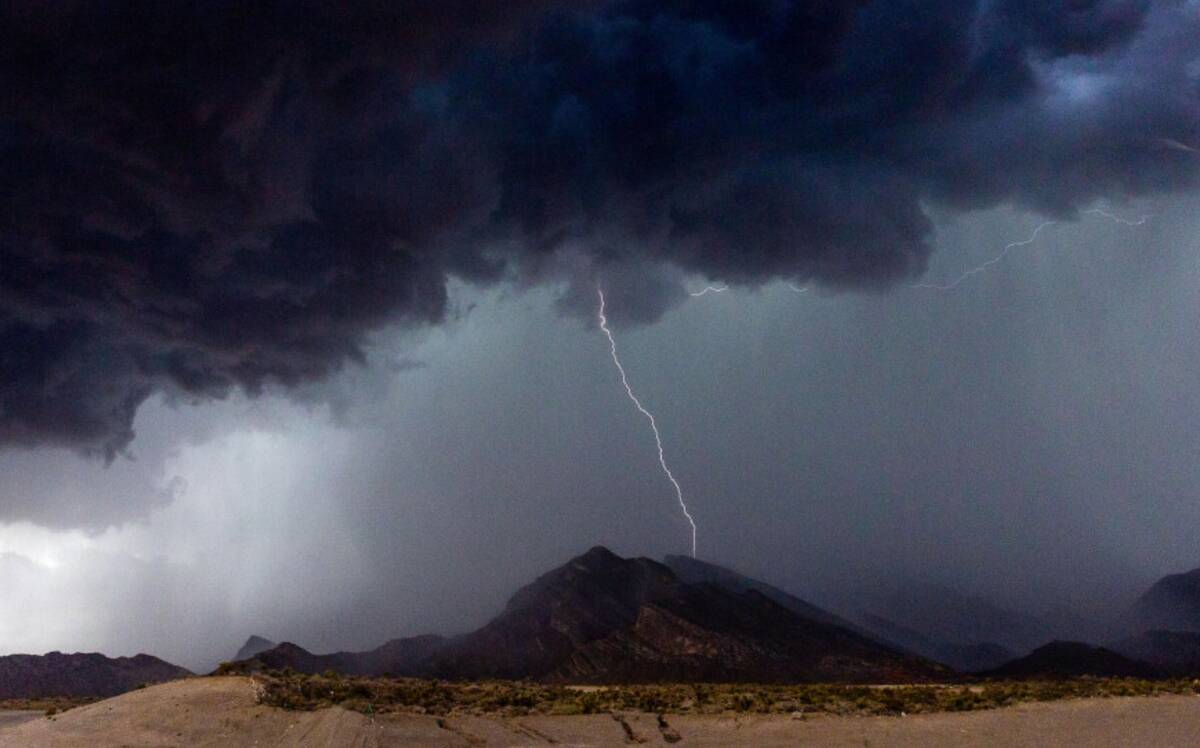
[223, 712]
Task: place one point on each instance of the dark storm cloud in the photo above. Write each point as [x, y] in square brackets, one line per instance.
[201, 197]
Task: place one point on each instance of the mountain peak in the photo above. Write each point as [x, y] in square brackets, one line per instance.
[253, 646]
[603, 618]
[597, 556]
[598, 577]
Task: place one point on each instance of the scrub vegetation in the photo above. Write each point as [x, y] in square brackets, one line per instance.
[292, 690]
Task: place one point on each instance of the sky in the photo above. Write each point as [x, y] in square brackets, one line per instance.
[304, 343]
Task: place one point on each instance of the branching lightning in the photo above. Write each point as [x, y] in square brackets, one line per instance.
[1097, 212]
[662, 460]
[1024, 243]
[975, 270]
[723, 288]
[804, 289]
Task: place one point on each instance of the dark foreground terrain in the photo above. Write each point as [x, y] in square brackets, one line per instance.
[230, 711]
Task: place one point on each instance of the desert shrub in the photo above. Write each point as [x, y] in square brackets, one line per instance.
[292, 690]
[49, 705]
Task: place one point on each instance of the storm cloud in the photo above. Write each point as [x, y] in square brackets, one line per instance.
[203, 198]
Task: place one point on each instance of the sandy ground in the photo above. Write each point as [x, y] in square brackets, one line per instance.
[222, 712]
[11, 717]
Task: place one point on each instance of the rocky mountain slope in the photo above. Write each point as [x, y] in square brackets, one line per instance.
[602, 618]
[695, 571]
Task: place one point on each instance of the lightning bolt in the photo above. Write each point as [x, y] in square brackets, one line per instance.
[1024, 243]
[975, 270]
[722, 289]
[1097, 212]
[662, 460]
[1175, 145]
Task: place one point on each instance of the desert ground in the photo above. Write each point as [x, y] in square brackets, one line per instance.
[8, 718]
[224, 712]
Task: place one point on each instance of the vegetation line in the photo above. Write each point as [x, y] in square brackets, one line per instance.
[291, 690]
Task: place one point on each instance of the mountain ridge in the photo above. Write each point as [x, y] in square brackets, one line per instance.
[601, 618]
[81, 674]
[1171, 603]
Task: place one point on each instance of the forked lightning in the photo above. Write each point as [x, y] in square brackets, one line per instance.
[662, 460]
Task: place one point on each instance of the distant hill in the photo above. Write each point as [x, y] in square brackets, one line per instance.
[1070, 660]
[253, 646]
[80, 674]
[947, 617]
[968, 658]
[1172, 603]
[1175, 653]
[396, 657]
